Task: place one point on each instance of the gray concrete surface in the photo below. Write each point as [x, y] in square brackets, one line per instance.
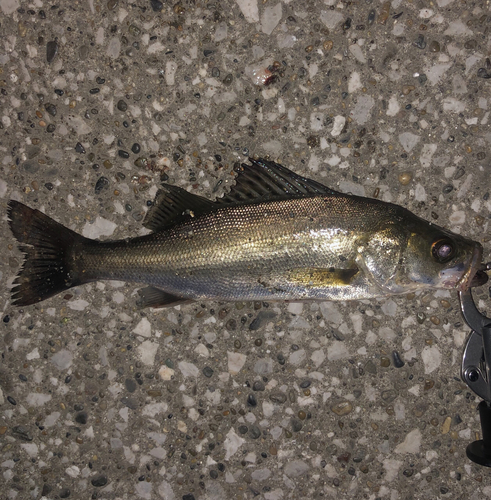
[215, 400]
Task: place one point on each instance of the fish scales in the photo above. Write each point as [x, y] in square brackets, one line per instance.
[249, 245]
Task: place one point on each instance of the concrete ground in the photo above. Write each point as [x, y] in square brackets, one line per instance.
[99, 101]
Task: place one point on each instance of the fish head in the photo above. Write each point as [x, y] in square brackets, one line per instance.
[434, 257]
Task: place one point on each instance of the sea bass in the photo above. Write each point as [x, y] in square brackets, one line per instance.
[274, 236]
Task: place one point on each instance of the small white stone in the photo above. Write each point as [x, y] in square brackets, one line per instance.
[432, 358]
[77, 305]
[31, 449]
[295, 307]
[249, 9]
[261, 474]
[143, 328]
[391, 469]
[263, 366]
[114, 48]
[9, 6]
[236, 361]
[188, 369]
[166, 373]
[318, 357]
[363, 108]
[389, 308]
[338, 126]
[37, 399]
[271, 17]
[296, 468]
[232, 443]
[408, 140]
[147, 351]
[355, 49]
[337, 350]
[297, 357]
[411, 443]
[62, 359]
[354, 82]
[34, 354]
[100, 227]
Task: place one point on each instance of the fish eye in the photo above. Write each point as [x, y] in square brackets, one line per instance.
[443, 250]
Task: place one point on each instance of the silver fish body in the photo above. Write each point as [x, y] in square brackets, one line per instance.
[275, 237]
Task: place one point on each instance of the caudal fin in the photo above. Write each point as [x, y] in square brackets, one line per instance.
[47, 245]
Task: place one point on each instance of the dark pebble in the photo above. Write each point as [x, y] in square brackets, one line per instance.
[251, 400]
[22, 432]
[208, 52]
[50, 128]
[447, 189]
[95, 90]
[99, 481]
[213, 474]
[64, 493]
[6, 318]
[207, 371]
[135, 148]
[371, 17]
[22, 377]
[100, 80]
[260, 318]
[347, 24]
[396, 358]
[420, 42]
[258, 386]
[51, 50]
[101, 184]
[79, 148]
[188, 496]
[231, 324]
[305, 384]
[50, 108]
[215, 72]
[281, 359]
[46, 490]
[68, 379]
[122, 106]
[278, 397]
[157, 6]
[228, 79]
[254, 432]
[130, 403]
[130, 385]
[296, 425]
[59, 92]
[243, 429]
[483, 73]
[81, 418]
[123, 154]
[11, 400]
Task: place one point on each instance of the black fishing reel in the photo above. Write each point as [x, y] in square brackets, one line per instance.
[476, 372]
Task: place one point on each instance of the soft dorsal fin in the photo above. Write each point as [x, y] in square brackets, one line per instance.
[267, 180]
[172, 203]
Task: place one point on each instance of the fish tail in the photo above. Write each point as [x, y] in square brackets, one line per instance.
[48, 247]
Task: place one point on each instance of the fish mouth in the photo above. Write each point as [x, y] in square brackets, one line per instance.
[476, 274]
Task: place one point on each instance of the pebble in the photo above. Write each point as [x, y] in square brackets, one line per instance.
[208, 372]
[79, 148]
[342, 408]
[135, 148]
[122, 106]
[405, 178]
[101, 184]
[99, 481]
[51, 50]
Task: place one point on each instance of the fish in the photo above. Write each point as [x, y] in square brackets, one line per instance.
[274, 236]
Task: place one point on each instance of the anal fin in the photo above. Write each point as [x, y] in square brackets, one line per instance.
[155, 297]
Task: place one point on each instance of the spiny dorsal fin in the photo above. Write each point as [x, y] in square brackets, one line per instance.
[267, 180]
[262, 180]
[171, 203]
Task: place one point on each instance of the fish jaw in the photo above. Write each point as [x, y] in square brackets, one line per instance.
[475, 275]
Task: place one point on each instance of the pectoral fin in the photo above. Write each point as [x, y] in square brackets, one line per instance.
[320, 277]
